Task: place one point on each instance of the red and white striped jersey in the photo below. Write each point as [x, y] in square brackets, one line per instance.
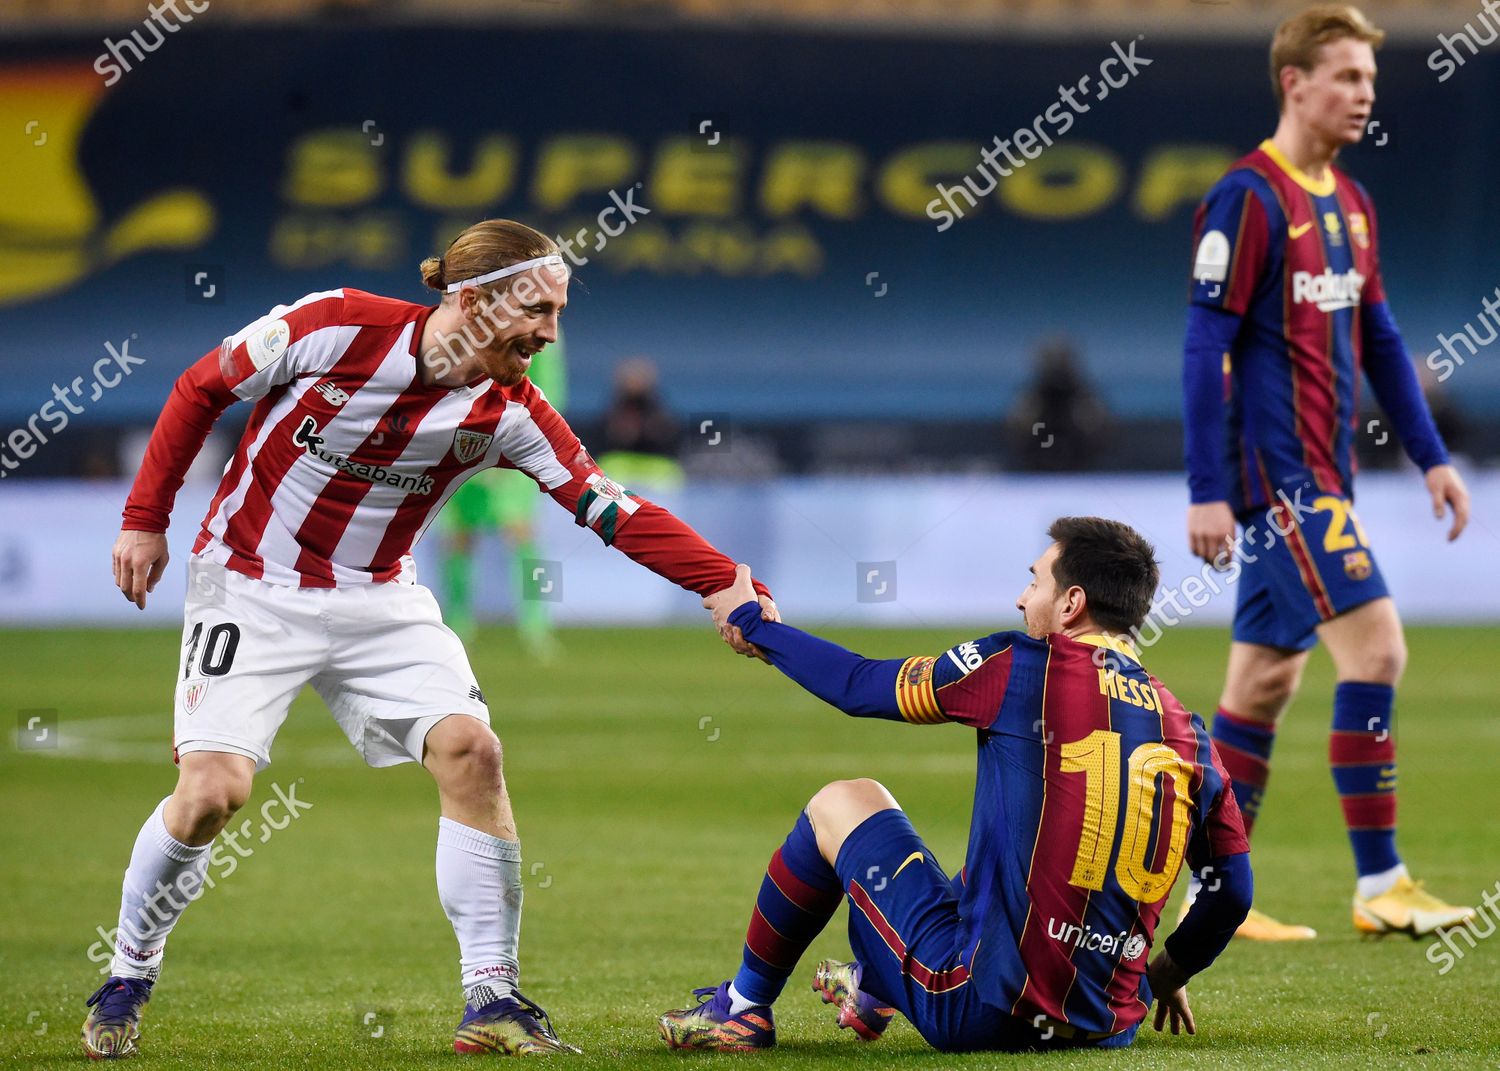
[348, 456]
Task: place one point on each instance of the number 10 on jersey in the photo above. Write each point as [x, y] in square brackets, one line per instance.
[1097, 758]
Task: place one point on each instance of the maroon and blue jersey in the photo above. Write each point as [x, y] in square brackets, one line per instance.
[1298, 261]
[1094, 784]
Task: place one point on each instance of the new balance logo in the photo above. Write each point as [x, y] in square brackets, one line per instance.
[331, 394]
[476, 695]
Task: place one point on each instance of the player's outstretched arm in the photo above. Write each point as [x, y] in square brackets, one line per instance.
[644, 532]
[722, 603]
[898, 689]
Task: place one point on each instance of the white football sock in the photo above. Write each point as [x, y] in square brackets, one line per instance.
[738, 1003]
[1372, 885]
[164, 876]
[479, 885]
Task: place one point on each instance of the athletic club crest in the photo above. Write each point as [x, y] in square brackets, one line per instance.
[467, 445]
[193, 692]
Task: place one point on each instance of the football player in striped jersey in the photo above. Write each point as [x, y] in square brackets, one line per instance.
[369, 413]
[1288, 310]
[1094, 784]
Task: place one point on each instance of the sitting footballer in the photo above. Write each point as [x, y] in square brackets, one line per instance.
[1093, 784]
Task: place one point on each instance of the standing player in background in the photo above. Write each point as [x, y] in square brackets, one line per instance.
[504, 502]
[369, 413]
[1093, 783]
[1288, 307]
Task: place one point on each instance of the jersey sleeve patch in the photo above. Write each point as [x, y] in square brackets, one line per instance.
[1232, 246]
[969, 680]
[604, 506]
[268, 344]
[915, 697]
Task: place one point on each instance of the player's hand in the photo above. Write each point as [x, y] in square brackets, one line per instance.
[1211, 532]
[723, 603]
[1169, 986]
[140, 559]
[1447, 489]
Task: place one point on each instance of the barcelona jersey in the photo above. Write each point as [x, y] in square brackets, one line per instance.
[1296, 259]
[1094, 784]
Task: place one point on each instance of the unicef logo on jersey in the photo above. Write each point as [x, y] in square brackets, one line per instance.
[1087, 939]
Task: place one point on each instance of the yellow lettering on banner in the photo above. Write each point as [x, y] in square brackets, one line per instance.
[646, 245]
[791, 248]
[727, 251]
[822, 175]
[374, 240]
[1065, 182]
[907, 182]
[688, 181]
[580, 163]
[427, 179]
[1176, 175]
[332, 169]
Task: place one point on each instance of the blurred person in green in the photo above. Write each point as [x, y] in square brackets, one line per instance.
[502, 501]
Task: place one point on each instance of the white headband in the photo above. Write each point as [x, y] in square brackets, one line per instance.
[501, 273]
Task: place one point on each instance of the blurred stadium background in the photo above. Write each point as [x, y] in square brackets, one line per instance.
[880, 415]
[848, 379]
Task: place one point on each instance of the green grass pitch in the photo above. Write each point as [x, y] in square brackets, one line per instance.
[653, 773]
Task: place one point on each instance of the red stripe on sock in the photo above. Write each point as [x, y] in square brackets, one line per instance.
[1370, 812]
[1360, 749]
[770, 946]
[1242, 766]
[813, 901]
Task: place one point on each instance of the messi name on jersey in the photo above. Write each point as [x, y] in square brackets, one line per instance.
[307, 437]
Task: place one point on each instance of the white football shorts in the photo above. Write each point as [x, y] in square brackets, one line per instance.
[378, 654]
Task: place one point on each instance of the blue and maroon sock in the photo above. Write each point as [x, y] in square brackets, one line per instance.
[798, 896]
[1245, 748]
[1362, 753]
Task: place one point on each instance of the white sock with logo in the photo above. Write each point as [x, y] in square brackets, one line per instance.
[164, 876]
[479, 886]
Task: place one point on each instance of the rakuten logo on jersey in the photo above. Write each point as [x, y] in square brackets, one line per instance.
[1121, 945]
[1329, 292]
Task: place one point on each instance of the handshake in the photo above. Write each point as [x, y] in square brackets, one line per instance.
[723, 603]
